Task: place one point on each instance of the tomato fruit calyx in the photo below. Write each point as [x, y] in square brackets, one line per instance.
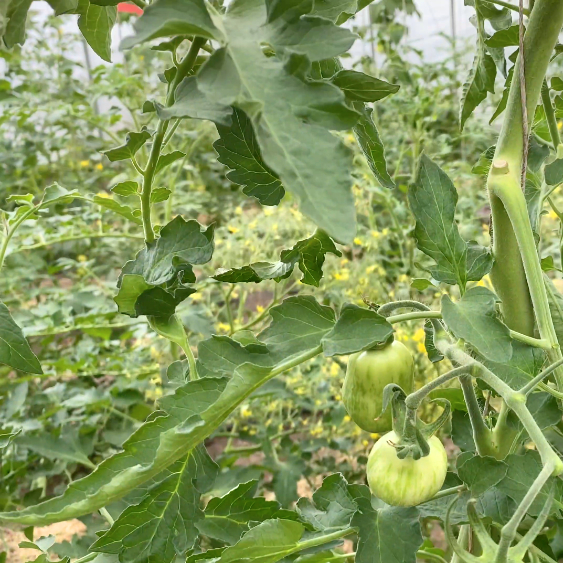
[412, 434]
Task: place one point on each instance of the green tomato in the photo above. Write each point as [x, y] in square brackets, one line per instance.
[367, 375]
[405, 482]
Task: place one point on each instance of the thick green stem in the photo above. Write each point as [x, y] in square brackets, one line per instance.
[508, 275]
[183, 70]
[482, 435]
[505, 186]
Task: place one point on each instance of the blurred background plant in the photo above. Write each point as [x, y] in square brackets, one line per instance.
[61, 269]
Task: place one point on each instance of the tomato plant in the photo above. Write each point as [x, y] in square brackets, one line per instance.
[133, 447]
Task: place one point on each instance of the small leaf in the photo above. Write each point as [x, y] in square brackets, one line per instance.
[14, 348]
[125, 189]
[481, 80]
[133, 142]
[160, 194]
[369, 140]
[360, 87]
[508, 37]
[387, 534]
[190, 101]
[483, 165]
[168, 159]
[356, 329]
[238, 149]
[554, 172]
[480, 473]
[164, 18]
[421, 284]
[473, 319]
[123, 210]
[96, 23]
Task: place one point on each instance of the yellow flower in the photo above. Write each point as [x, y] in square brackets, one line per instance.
[259, 309]
[365, 443]
[385, 232]
[223, 327]
[252, 431]
[82, 258]
[318, 402]
[195, 297]
[238, 210]
[358, 241]
[375, 234]
[99, 166]
[334, 369]
[421, 347]
[552, 214]
[233, 230]
[559, 125]
[316, 431]
[371, 269]
[246, 413]
[84, 163]
[103, 194]
[347, 418]
[344, 276]
[268, 211]
[344, 261]
[350, 138]
[338, 397]
[374, 435]
[419, 335]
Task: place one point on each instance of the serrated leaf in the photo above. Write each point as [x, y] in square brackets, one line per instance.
[238, 149]
[298, 325]
[125, 189]
[369, 140]
[508, 37]
[181, 242]
[480, 81]
[14, 348]
[160, 194]
[357, 328]
[123, 210]
[331, 507]
[360, 87]
[168, 159]
[165, 18]
[227, 518]
[473, 319]
[309, 254]
[163, 525]
[387, 534]
[480, 473]
[191, 102]
[133, 142]
[483, 165]
[433, 200]
[294, 116]
[96, 23]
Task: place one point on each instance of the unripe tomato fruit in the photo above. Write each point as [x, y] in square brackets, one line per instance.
[367, 375]
[409, 481]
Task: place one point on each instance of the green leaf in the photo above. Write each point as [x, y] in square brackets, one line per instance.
[360, 87]
[123, 210]
[57, 194]
[165, 18]
[368, 138]
[163, 525]
[481, 80]
[554, 172]
[473, 319]
[356, 329]
[228, 517]
[270, 541]
[331, 507]
[13, 32]
[434, 355]
[292, 126]
[133, 142]
[298, 325]
[221, 355]
[191, 102]
[181, 242]
[504, 98]
[132, 286]
[480, 473]
[68, 446]
[160, 194]
[168, 159]
[433, 200]
[508, 37]
[483, 165]
[14, 348]
[238, 149]
[525, 363]
[555, 300]
[96, 23]
[126, 189]
[387, 534]
[309, 254]
[421, 284]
